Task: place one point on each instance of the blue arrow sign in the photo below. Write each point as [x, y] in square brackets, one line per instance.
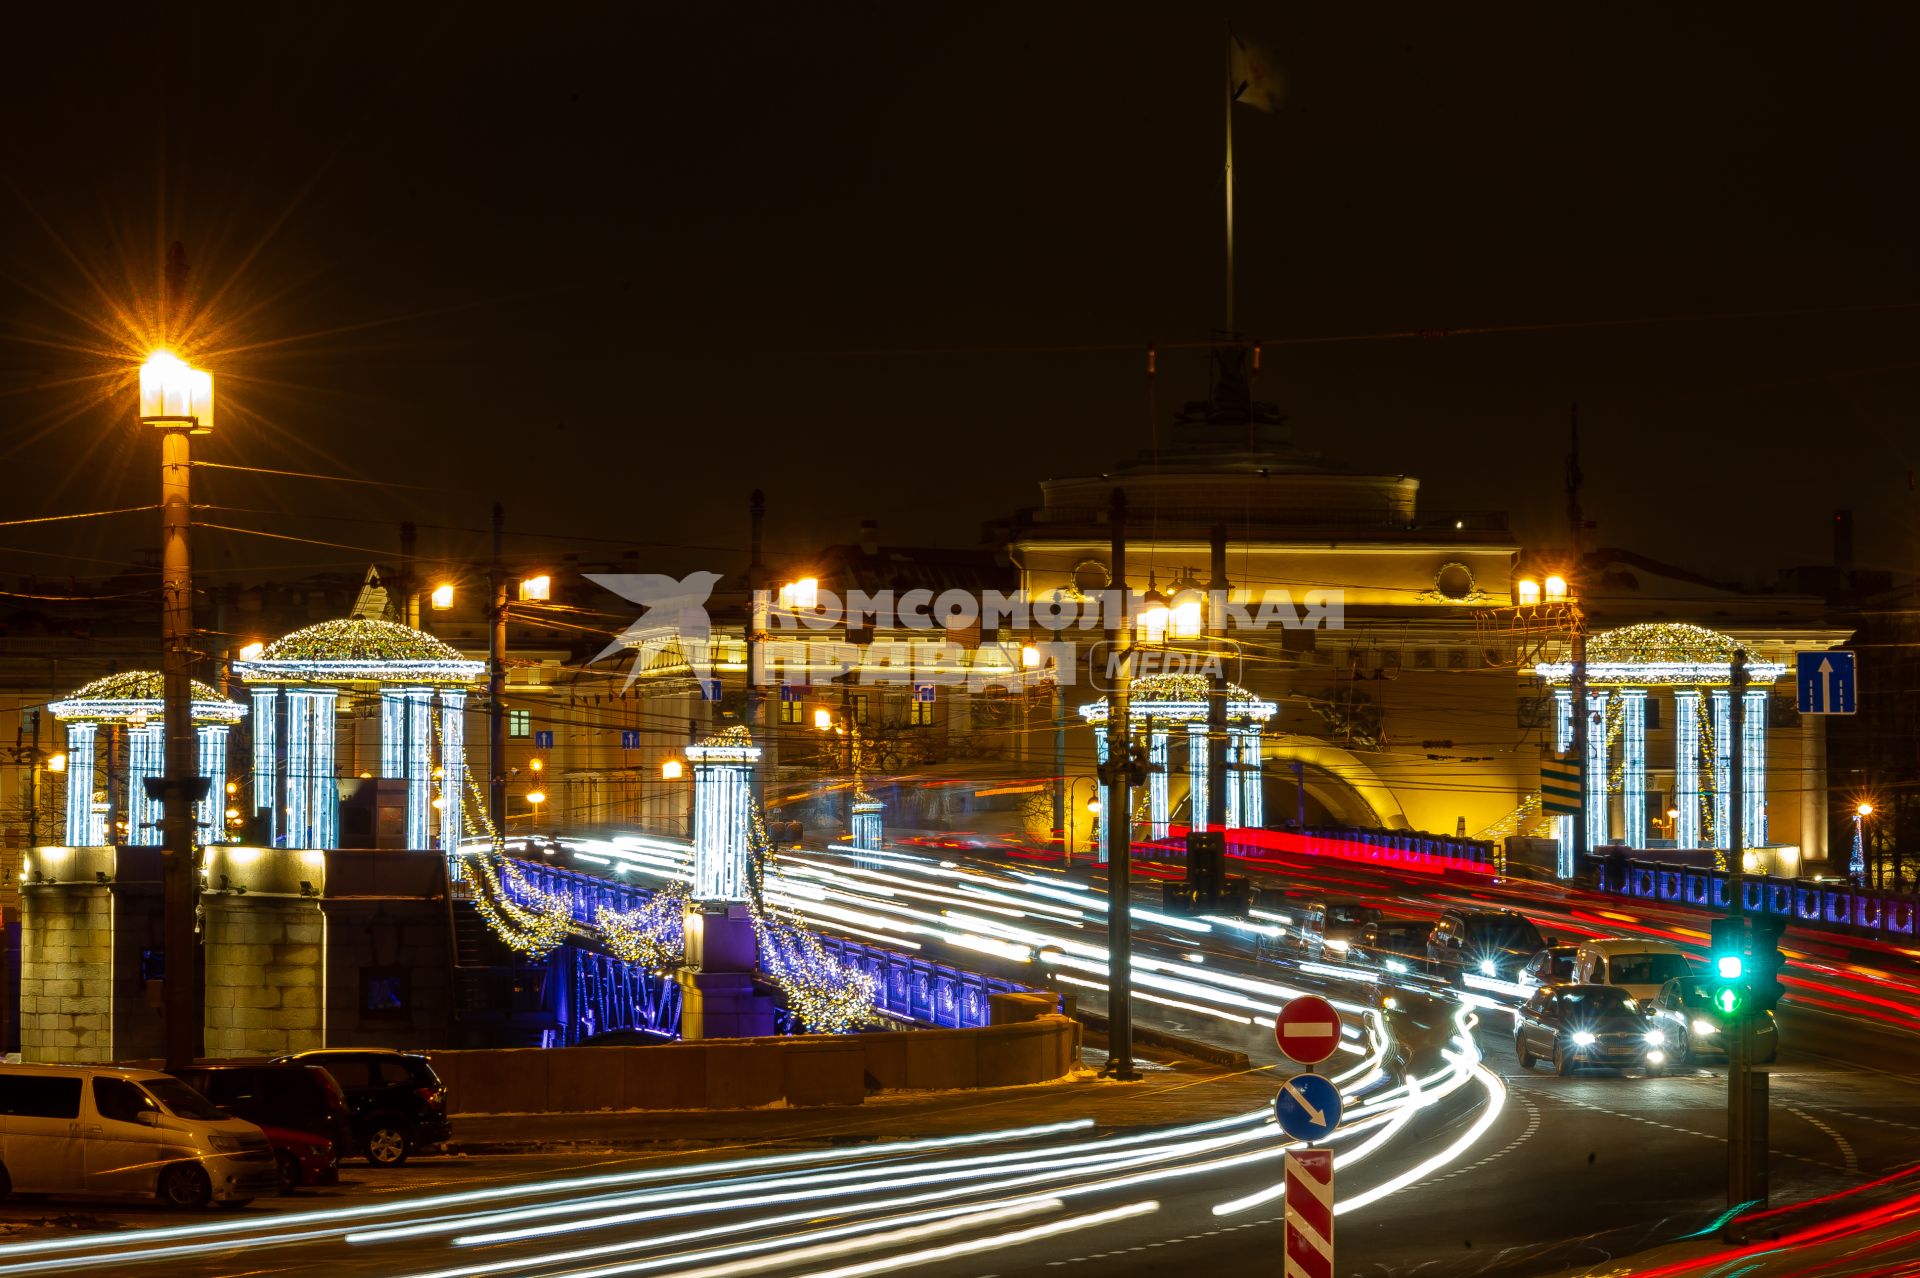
[1824, 681]
[1308, 1107]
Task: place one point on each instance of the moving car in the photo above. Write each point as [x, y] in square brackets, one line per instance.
[300, 1108]
[100, 1131]
[1639, 967]
[1695, 1027]
[1332, 924]
[1484, 942]
[398, 1103]
[1399, 945]
[1598, 1025]
[1551, 966]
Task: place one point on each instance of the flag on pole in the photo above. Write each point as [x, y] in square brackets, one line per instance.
[1256, 80]
[1559, 785]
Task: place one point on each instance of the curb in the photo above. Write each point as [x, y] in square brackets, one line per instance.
[1225, 1057]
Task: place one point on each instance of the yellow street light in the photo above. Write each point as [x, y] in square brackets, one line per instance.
[233, 814]
[56, 763]
[536, 589]
[672, 770]
[1093, 806]
[1030, 657]
[439, 803]
[1865, 809]
[804, 593]
[1526, 591]
[1556, 588]
[442, 596]
[538, 765]
[823, 720]
[1153, 618]
[172, 393]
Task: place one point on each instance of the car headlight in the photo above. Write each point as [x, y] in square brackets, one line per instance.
[228, 1144]
[1656, 1057]
[1657, 1038]
[1582, 1039]
[1703, 1026]
[1487, 968]
[1395, 965]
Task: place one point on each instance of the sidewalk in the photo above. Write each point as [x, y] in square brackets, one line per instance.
[1182, 1091]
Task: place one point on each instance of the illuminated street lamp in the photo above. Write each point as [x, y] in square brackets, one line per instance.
[1093, 808]
[672, 770]
[56, 763]
[177, 400]
[442, 596]
[532, 589]
[1526, 592]
[535, 798]
[252, 651]
[1556, 588]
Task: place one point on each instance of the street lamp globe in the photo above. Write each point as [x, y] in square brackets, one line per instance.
[1093, 807]
[173, 393]
[1865, 809]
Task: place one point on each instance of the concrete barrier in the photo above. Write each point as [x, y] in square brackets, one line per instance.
[749, 1073]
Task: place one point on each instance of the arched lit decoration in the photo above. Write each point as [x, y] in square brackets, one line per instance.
[1163, 701]
[131, 702]
[295, 683]
[1694, 666]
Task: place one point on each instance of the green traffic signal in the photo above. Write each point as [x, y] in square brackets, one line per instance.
[1727, 1000]
[1730, 966]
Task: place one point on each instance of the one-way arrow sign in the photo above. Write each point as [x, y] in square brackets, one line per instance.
[1825, 682]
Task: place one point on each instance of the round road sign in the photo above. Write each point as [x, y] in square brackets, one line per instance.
[1307, 1029]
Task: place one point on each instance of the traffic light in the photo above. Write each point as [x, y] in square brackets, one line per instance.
[1727, 955]
[1765, 962]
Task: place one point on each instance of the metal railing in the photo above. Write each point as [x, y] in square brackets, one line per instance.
[1822, 906]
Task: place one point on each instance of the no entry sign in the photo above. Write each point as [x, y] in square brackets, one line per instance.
[1307, 1029]
[1309, 1214]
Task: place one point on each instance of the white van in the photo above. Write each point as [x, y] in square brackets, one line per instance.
[1639, 967]
[96, 1130]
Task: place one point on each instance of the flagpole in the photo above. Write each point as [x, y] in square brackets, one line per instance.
[1229, 183]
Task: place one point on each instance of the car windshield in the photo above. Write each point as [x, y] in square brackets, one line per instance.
[180, 1100]
[1562, 965]
[1505, 934]
[1598, 1002]
[1696, 994]
[1647, 969]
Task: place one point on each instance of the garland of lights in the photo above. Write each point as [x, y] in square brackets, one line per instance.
[655, 935]
[825, 995]
[525, 917]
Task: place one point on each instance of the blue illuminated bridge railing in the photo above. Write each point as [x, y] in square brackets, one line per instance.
[910, 988]
[1821, 906]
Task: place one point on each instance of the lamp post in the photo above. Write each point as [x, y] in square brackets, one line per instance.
[534, 799]
[178, 401]
[1093, 807]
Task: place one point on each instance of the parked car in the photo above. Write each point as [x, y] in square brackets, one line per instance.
[300, 1108]
[1399, 945]
[1575, 1025]
[1551, 966]
[398, 1104]
[1695, 1027]
[1637, 966]
[1490, 943]
[98, 1131]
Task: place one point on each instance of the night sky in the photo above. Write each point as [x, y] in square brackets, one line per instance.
[618, 266]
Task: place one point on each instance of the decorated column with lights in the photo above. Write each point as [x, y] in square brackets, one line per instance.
[1753, 768]
[1253, 795]
[1232, 780]
[1197, 775]
[419, 767]
[718, 998]
[266, 762]
[323, 801]
[146, 759]
[1597, 760]
[80, 825]
[1633, 779]
[210, 814]
[297, 801]
[1157, 782]
[1722, 769]
[1100, 817]
[1562, 743]
[393, 733]
[866, 822]
[453, 767]
[1686, 767]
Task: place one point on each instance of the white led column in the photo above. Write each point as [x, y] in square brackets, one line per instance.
[210, 814]
[1597, 824]
[1253, 798]
[146, 761]
[80, 823]
[1753, 769]
[722, 814]
[1563, 743]
[1197, 776]
[324, 797]
[419, 767]
[1157, 783]
[1633, 752]
[1686, 767]
[453, 767]
[1100, 819]
[266, 763]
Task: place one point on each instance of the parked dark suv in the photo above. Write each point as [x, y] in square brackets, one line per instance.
[283, 1099]
[399, 1105]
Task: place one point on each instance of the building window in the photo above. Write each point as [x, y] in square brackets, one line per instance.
[386, 993]
[793, 711]
[519, 723]
[859, 707]
[920, 713]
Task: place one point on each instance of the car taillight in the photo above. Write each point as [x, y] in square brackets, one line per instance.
[431, 1095]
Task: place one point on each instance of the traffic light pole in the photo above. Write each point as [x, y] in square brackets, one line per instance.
[1119, 779]
[1747, 1098]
